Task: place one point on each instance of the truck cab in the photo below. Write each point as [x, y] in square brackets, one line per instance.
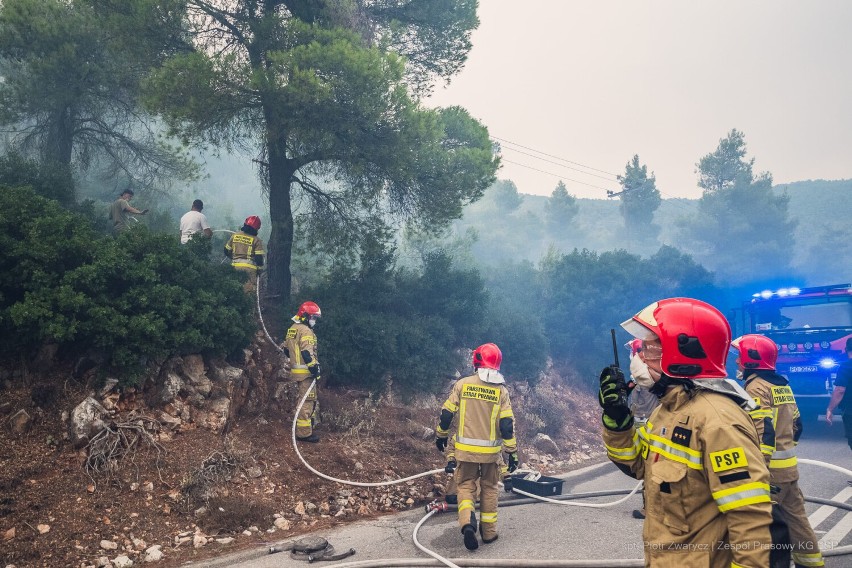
[810, 327]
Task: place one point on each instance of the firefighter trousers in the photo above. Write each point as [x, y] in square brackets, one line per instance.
[792, 503]
[305, 420]
[488, 474]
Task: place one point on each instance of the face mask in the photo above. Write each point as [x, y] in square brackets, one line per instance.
[312, 321]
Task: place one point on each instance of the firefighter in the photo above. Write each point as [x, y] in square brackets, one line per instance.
[779, 426]
[706, 485]
[245, 249]
[486, 424]
[300, 345]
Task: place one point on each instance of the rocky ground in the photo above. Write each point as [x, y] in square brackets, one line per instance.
[177, 480]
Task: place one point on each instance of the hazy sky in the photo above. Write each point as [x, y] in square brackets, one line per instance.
[596, 81]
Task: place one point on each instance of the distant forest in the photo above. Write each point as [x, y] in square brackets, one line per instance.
[508, 229]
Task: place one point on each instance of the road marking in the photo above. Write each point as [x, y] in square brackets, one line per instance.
[825, 511]
[833, 537]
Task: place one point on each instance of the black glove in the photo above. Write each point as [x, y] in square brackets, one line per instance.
[451, 466]
[511, 462]
[441, 443]
[507, 484]
[612, 397]
[315, 370]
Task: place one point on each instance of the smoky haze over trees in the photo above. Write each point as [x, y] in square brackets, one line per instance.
[70, 92]
[325, 96]
[322, 91]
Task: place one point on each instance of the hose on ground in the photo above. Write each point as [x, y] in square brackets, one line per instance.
[345, 481]
[589, 505]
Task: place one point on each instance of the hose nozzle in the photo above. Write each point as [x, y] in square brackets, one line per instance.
[437, 506]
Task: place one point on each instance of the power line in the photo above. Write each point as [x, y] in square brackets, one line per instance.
[553, 156]
[679, 205]
[557, 163]
[560, 176]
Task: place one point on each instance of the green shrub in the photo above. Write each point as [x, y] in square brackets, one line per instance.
[133, 297]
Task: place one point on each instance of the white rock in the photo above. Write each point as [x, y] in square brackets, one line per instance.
[122, 562]
[225, 540]
[153, 553]
[43, 529]
[109, 545]
[198, 541]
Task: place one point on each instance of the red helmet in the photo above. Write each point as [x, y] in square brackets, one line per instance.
[694, 335]
[756, 351]
[254, 222]
[487, 356]
[308, 309]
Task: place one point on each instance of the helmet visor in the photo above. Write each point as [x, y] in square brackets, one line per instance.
[637, 330]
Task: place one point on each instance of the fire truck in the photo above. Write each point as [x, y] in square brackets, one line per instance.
[810, 327]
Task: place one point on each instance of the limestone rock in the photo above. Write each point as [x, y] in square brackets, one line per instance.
[545, 443]
[86, 421]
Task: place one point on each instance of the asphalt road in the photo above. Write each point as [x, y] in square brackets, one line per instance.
[546, 531]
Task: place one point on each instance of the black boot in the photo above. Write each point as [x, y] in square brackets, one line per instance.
[469, 532]
[470, 541]
[313, 439]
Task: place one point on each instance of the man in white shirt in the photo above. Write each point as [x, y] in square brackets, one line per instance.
[193, 222]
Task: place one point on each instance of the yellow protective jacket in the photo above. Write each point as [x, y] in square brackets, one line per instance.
[300, 343]
[778, 424]
[486, 422]
[706, 485]
[246, 251]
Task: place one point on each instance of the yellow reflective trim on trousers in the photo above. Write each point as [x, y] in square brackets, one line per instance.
[735, 565]
[509, 442]
[451, 407]
[478, 449]
[441, 432]
[465, 504]
[781, 464]
[487, 517]
[302, 423]
[244, 265]
[808, 559]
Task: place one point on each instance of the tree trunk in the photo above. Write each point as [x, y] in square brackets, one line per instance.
[281, 171]
[59, 145]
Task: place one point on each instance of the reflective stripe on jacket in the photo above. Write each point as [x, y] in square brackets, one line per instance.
[480, 406]
[243, 248]
[300, 337]
[706, 484]
[775, 427]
